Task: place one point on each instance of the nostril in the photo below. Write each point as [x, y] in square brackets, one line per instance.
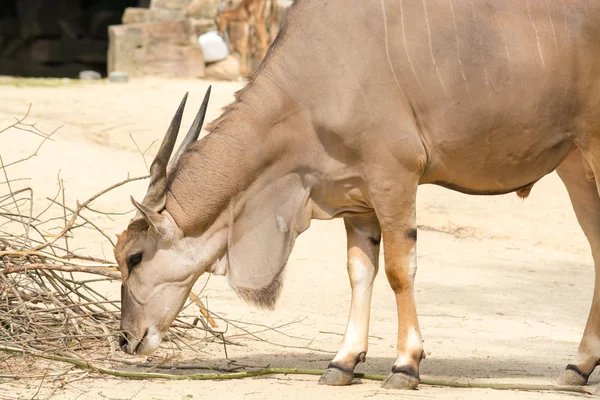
[123, 342]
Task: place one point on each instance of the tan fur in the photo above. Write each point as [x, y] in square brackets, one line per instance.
[266, 297]
[126, 242]
[481, 97]
[363, 238]
[524, 193]
[586, 203]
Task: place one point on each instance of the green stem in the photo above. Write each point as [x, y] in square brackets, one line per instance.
[290, 371]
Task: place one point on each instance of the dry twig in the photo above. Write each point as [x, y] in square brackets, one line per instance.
[300, 371]
[42, 305]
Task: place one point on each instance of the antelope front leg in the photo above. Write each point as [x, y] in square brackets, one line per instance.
[363, 236]
[395, 207]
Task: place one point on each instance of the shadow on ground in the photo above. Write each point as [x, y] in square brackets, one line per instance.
[456, 368]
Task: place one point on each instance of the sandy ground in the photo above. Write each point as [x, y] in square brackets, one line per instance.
[503, 287]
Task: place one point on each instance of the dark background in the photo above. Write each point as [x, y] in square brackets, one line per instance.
[57, 38]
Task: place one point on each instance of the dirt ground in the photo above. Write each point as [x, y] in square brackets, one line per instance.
[503, 287]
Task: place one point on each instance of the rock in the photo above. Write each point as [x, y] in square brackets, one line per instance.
[201, 8]
[69, 50]
[133, 15]
[178, 5]
[89, 75]
[226, 70]
[203, 21]
[203, 25]
[168, 49]
[165, 14]
[116, 76]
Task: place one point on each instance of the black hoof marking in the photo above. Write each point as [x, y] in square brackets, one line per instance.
[572, 367]
[406, 370]
[361, 357]
[375, 240]
[411, 234]
[341, 368]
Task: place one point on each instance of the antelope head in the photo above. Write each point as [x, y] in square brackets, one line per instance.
[157, 265]
[230, 205]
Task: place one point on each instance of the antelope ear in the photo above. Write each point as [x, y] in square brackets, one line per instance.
[159, 224]
[262, 238]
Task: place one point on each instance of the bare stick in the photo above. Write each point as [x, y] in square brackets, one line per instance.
[35, 153]
[12, 195]
[43, 256]
[82, 206]
[65, 208]
[65, 268]
[62, 188]
[294, 371]
[140, 150]
[18, 120]
[21, 121]
[203, 310]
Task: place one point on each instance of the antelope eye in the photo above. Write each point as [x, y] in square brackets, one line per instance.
[134, 260]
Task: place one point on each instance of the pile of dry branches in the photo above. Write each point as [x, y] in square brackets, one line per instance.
[51, 297]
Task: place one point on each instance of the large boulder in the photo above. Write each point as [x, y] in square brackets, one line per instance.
[178, 5]
[201, 8]
[134, 15]
[225, 70]
[203, 25]
[167, 49]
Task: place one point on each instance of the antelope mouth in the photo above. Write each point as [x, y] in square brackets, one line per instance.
[141, 341]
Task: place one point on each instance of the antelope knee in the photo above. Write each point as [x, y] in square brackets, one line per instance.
[361, 272]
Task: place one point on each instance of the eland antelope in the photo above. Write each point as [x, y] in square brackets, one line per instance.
[351, 110]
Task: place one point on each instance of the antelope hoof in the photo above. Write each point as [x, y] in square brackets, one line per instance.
[401, 378]
[572, 376]
[336, 377]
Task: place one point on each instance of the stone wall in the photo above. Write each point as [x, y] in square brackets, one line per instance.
[166, 49]
[161, 40]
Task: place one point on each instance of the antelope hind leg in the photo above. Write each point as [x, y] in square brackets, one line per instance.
[585, 200]
[395, 204]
